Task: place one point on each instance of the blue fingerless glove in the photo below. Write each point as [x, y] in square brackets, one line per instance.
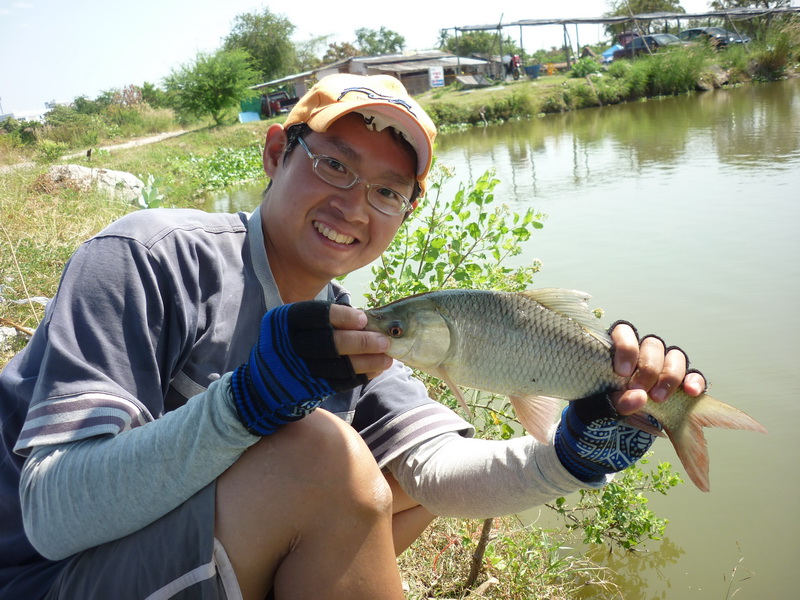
[592, 441]
[291, 369]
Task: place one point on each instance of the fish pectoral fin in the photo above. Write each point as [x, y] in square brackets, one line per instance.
[442, 374]
[536, 413]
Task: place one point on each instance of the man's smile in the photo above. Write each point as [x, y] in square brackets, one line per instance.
[334, 235]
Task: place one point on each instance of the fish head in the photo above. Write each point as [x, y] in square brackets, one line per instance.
[418, 333]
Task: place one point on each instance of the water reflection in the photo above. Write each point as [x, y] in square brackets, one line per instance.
[756, 126]
[635, 571]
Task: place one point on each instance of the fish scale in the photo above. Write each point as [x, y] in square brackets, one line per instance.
[525, 348]
[537, 347]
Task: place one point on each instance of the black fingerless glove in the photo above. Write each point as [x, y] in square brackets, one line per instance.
[291, 369]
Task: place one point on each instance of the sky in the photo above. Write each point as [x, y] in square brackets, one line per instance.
[62, 49]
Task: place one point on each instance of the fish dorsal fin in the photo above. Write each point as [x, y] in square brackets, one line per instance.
[571, 304]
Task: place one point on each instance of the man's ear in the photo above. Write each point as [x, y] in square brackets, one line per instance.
[274, 144]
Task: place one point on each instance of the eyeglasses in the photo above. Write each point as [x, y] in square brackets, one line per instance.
[338, 174]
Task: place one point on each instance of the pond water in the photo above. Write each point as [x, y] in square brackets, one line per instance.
[680, 215]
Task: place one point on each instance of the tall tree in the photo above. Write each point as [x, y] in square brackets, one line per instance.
[307, 53]
[267, 38]
[213, 84]
[372, 42]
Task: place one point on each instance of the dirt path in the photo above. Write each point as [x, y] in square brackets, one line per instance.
[152, 139]
[133, 143]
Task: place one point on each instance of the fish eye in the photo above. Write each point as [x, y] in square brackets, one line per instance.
[395, 329]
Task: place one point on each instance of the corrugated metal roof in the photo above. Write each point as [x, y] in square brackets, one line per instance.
[423, 65]
[741, 13]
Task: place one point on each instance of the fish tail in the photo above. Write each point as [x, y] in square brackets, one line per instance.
[689, 441]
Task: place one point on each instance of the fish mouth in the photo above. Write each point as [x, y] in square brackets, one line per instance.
[333, 235]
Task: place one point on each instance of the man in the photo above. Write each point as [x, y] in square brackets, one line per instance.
[166, 405]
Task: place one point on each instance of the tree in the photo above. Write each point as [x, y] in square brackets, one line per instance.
[267, 38]
[627, 8]
[212, 84]
[155, 96]
[483, 43]
[372, 42]
[339, 51]
[754, 27]
[307, 53]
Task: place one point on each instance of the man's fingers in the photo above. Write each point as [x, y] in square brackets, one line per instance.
[626, 349]
[672, 374]
[365, 349]
[347, 317]
[628, 402]
[694, 384]
[649, 365]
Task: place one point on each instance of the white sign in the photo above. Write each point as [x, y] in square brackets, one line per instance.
[437, 76]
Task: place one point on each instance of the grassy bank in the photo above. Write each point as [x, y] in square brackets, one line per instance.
[674, 72]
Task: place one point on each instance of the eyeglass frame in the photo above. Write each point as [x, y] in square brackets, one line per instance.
[315, 158]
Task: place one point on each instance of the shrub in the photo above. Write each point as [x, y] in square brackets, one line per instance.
[771, 61]
[585, 66]
[48, 151]
[674, 71]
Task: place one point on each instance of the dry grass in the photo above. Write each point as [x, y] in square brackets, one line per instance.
[520, 563]
[39, 229]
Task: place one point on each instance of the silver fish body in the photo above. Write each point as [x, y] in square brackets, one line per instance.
[536, 347]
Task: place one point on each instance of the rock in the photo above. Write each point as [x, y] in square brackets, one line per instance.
[7, 337]
[713, 78]
[119, 184]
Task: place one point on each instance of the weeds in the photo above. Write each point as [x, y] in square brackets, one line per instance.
[41, 230]
[520, 563]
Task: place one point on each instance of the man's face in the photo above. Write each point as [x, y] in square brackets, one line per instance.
[315, 231]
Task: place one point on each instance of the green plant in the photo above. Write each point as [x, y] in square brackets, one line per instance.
[618, 513]
[462, 242]
[48, 151]
[225, 166]
[585, 66]
[151, 195]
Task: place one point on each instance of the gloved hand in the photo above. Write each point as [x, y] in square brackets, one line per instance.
[291, 369]
[592, 440]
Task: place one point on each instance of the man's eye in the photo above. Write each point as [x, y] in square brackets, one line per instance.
[334, 165]
[388, 193]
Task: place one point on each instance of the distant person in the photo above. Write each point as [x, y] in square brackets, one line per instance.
[160, 432]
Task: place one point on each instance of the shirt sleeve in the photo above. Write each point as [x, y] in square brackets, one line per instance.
[394, 414]
[113, 338]
[472, 478]
[82, 494]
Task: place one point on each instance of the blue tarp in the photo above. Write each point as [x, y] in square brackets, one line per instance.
[247, 117]
[608, 55]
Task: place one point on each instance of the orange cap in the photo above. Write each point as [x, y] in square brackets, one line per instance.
[380, 99]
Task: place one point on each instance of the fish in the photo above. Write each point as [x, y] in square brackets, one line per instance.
[538, 347]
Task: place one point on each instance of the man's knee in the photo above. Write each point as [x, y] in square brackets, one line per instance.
[319, 459]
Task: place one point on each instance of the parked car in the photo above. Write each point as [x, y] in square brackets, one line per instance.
[640, 45]
[718, 36]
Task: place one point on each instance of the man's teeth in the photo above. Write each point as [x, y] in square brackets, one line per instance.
[332, 235]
